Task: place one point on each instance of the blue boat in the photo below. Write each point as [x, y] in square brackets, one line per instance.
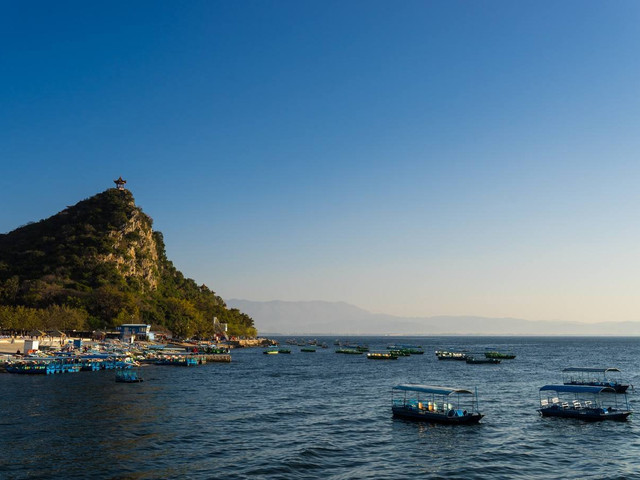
[178, 361]
[428, 403]
[584, 402]
[87, 365]
[30, 367]
[598, 377]
[128, 376]
[64, 367]
[47, 366]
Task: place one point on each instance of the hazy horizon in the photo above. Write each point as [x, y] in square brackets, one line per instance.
[414, 158]
[319, 317]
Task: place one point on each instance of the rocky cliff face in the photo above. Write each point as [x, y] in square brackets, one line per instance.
[135, 252]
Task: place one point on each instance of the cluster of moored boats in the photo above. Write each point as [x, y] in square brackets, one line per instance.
[392, 353]
[589, 394]
[395, 351]
[586, 393]
[307, 344]
[66, 364]
[122, 358]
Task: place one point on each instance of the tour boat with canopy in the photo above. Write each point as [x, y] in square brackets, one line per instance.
[429, 403]
[598, 377]
[584, 402]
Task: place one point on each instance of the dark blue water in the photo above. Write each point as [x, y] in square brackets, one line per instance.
[316, 415]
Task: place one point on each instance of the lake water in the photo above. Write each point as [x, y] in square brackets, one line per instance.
[317, 415]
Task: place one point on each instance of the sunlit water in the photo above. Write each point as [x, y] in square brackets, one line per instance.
[317, 415]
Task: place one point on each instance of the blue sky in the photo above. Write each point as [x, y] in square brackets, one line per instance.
[413, 158]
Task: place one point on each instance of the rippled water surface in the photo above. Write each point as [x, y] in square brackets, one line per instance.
[317, 415]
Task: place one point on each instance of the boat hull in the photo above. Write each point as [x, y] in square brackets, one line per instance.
[500, 356]
[436, 417]
[586, 414]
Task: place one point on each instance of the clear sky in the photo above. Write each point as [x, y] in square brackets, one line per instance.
[412, 158]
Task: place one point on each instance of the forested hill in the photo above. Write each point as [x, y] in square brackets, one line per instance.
[99, 264]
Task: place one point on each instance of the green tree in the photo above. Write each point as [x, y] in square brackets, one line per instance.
[183, 318]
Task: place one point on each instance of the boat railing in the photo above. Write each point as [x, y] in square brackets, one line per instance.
[579, 398]
[433, 407]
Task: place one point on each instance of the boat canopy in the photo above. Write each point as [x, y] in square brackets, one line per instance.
[409, 387]
[578, 389]
[593, 370]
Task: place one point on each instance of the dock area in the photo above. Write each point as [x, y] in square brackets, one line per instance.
[213, 358]
[86, 354]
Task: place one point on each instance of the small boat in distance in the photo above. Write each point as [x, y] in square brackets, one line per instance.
[583, 402]
[408, 349]
[400, 353]
[275, 350]
[499, 355]
[128, 376]
[449, 355]
[381, 356]
[598, 377]
[348, 351]
[428, 403]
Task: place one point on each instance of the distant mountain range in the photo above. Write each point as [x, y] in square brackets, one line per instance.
[339, 318]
